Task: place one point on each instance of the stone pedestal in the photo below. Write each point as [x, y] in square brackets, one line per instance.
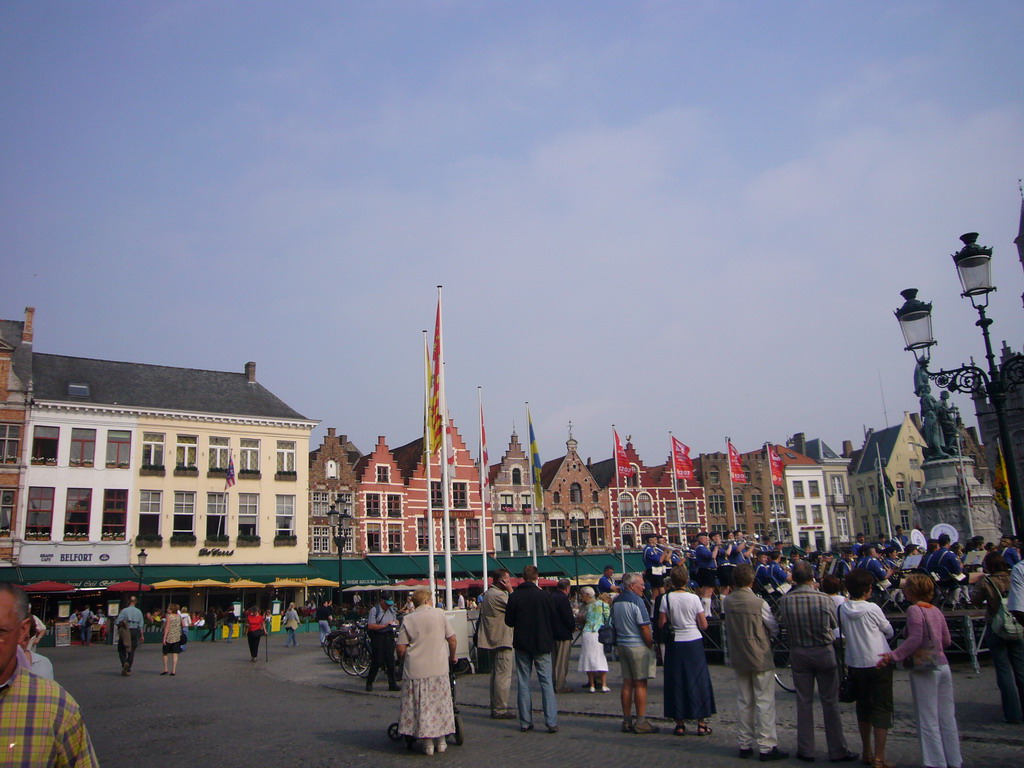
[942, 500]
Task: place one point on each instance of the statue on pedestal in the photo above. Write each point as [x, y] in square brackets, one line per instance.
[949, 421]
[930, 416]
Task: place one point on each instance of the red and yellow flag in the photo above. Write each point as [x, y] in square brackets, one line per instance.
[434, 404]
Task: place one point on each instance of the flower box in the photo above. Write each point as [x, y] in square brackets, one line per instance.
[152, 470]
[117, 465]
[112, 536]
[287, 476]
[149, 540]
[37, 536]
[244, 540]
[216, 472]
[5, 533]
[76, 537]
[183, 540]
[216, 541]
[186, 472]
[286, 541]
[249, 474]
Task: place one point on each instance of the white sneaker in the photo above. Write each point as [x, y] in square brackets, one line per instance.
[440, 745]
[592, 689]
[606, 689]
[428, 747]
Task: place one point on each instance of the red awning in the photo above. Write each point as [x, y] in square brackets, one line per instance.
[127, 586]
[49, 586]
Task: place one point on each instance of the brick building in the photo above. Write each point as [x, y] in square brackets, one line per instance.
[15, 383]
[332, 480]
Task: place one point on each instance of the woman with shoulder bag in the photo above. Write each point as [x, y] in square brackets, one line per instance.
[592, 658]
[172, 637]
[688, 691]
[1007, 654]
[931, 683]
[256, 624]
[291, 623]
[866, 631]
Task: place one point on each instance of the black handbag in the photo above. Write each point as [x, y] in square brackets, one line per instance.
[847, 689]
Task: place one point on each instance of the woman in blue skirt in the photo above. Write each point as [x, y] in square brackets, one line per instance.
[688, 693]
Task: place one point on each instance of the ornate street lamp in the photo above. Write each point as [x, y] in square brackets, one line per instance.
[337, 520]
[142, 565]
[974, 268]
[576, 545]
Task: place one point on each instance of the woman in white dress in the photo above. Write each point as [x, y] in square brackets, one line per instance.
[592, 658]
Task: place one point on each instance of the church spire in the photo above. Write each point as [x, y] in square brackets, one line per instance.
[1019, 241]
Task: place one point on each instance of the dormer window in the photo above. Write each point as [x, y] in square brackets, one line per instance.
[78, 389]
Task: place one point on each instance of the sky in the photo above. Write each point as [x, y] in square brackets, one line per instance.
[692, 217]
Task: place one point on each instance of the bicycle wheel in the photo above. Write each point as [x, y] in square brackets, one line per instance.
[335, 649]
[784, 678]
[459, 736]
[355, 660]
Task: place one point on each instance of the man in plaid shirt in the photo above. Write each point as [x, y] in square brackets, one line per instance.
[810, 618]
[40, 724]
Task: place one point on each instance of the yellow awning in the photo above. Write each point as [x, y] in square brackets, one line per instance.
[209, 583]
[287, 583]
[244, 584]
[320, 582]
[172, 584]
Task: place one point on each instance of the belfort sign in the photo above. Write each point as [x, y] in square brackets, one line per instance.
[73, 553]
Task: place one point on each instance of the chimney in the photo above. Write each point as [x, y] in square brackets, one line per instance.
[799, 442]
[847, 448]
[330, 431]
[250, 372]
[26, 333]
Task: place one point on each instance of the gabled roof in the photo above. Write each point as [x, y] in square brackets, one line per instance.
[879, 443]
[549, 469]
[155, 386]
[21, 358]
[819, 450]
[408, 458]
[603, 472]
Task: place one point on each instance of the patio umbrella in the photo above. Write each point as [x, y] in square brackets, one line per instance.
[49, 586]
[246, 584]
[209, 583]
[127, 586]
[172, 584]
[287, 583]
[319, 582]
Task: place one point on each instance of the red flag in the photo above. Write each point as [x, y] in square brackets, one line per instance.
[682, 464]
[622, 465]
[775, 462]
[735, 465]
[485, 467]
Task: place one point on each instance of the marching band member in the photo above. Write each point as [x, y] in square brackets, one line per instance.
[706, 558]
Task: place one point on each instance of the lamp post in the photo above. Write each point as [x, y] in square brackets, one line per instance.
[337, 520]
[974, 268]
[142, 565]
[575, 545]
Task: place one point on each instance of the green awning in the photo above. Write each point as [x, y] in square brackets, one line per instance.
[399, 567]
[546, 564]
[82, 576]
[155, 573]
[268, 572]
[470, 565]
[357, 571]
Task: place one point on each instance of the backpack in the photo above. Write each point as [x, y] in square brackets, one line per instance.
[1004, 624]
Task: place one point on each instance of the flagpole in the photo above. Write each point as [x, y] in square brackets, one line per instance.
[428, 454]
[771, 472]
[675, 487]
[445, 470]
[618, 506]
[483, 487]
[531, 542]
[882, 489]
[732, 488]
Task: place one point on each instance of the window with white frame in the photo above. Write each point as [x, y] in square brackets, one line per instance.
[77, 509]
[248, 514]
[422, 538]
[249, 455]
[816, 514]
[45, 441]
[502, 538]
[373, 542]
[285, 515]
[152, 450]
[596, 533]
[320, 503]
[216, 515]
[507, 502]
[6, 512]
[472, 534]
[149, 513]
[813, 489]
[716, 504]
[798, 489]
[394, 501]
[383, 474]
[219, 449]
[690, 512]
[184, 512]
[286, 456]
[838, 489]
[321, 539]
[394, 538]
[842, 527]
[185, 452]
[800, 510]
[373, 505]
[10, 444]
[629, 536]
[119, 447]
[460, 496]
[625, 505]
[644, 504]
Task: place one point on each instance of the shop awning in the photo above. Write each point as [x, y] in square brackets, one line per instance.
[155, 573]
[470, 565]
[397, 566]
[546, 564]
[81, 576]
[269, 572]
[357, 570]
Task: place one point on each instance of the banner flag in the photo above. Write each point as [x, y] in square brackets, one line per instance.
[622, 465]
[485, 466]
[538, 490]
[775, 462]
[735, 465]
[682, 464]
[229, 478]
[885, 491]
[1000, 483]
[435, 406]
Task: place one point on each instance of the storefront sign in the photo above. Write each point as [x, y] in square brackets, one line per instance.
[74, 553]
[205, 552]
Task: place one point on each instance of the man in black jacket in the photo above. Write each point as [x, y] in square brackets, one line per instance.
[564, 627]
[531, 612]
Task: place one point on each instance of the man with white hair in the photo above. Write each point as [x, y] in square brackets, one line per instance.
[40, 723]
[634, 641]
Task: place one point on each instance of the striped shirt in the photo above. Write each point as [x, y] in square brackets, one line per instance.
[809, 617]
[41, 725]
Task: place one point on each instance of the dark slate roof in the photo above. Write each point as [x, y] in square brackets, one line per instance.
[885, 439]
[408, 458]
[819, 450]
[21, 359]
[603, 472]
[139, 385]
[549, 470]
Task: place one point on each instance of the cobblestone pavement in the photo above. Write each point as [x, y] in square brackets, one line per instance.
[299, 709]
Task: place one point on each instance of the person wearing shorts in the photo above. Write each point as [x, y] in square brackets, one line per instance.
[634, 641]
